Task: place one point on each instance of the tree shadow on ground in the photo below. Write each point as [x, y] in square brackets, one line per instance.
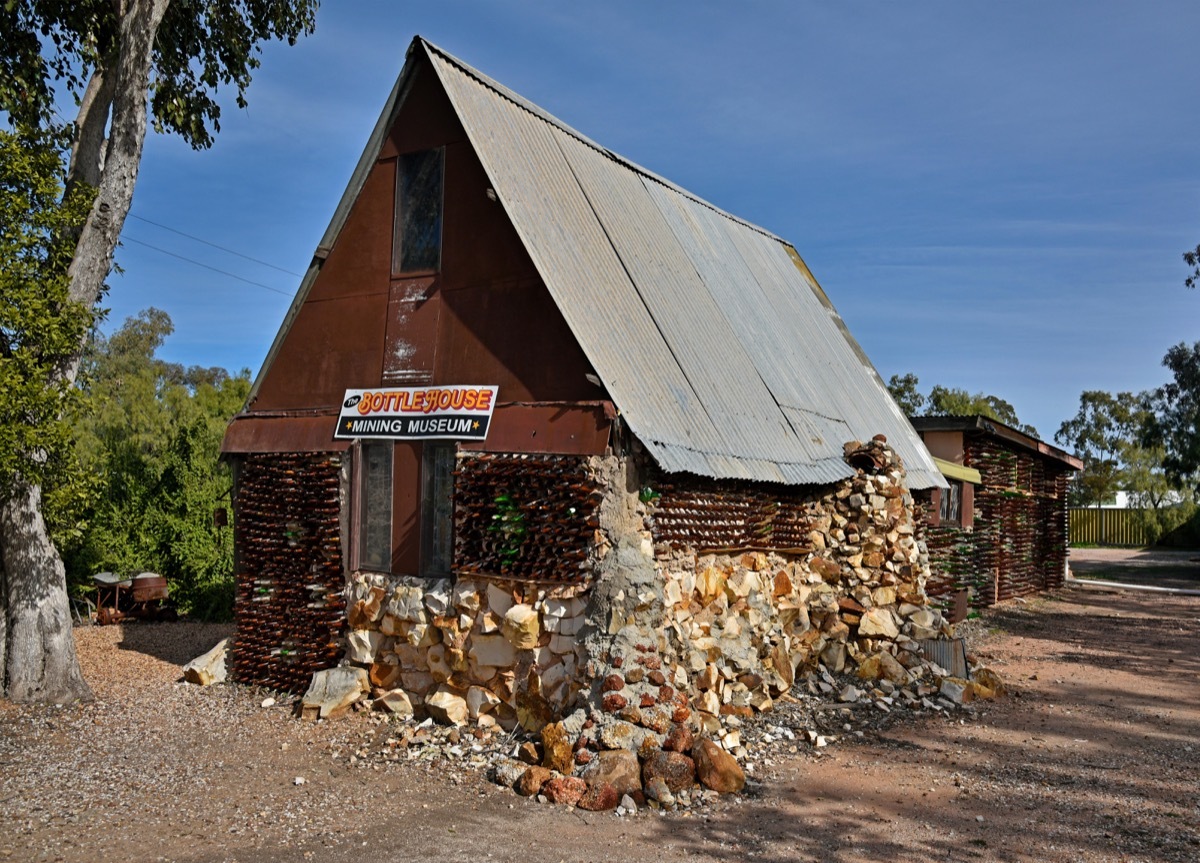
[177, 642]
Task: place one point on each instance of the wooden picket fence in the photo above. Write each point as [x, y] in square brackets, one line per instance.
[1118, 527]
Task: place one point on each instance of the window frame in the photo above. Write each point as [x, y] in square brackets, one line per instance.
[364, 558]
[438, 462]
[942, 510]
[399, 209]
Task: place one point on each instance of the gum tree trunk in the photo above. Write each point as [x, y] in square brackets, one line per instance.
[41, 661]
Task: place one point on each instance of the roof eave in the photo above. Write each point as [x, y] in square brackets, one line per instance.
[989, 425]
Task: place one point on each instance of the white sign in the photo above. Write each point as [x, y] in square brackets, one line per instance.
[458, 412]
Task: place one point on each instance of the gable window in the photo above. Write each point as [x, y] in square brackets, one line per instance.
[417, 243]
[375, 505]
[437, 508]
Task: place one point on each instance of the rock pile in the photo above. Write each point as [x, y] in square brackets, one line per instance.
[732, 631]
[815, 716]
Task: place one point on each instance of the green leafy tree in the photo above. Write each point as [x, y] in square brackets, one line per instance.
[946, 401]
[40, 328]
[153, 439]
[1174, 421]
[1104, 433]
[120, 60]
[1192, 259]
[904, 390]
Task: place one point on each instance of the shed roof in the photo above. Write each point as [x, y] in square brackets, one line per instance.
[721, 351]
[979, 424]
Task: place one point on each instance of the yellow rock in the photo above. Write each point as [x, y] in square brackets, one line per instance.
[709, 584]
[987, 683]
[521, 627]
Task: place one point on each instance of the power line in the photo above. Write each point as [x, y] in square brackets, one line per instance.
[128, 239]
[214, 245]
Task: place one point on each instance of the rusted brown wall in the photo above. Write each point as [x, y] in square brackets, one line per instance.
[947, 445]
[486, 318]
[406, 508]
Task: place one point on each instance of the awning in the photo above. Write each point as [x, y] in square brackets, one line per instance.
[950, 470]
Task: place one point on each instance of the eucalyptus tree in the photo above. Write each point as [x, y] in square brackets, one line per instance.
[125, 63]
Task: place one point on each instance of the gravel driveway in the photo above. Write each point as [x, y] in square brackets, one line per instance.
[1152, 567]
[1092, 758]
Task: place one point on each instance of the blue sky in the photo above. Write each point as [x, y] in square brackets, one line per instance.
[995, 196]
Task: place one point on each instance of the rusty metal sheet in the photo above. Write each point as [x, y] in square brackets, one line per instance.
[412, 326]
[560, 429]
[247, 434]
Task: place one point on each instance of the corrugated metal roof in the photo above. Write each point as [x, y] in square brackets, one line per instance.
[723, 354]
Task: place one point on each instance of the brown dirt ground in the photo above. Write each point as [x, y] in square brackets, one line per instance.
[1092, 758]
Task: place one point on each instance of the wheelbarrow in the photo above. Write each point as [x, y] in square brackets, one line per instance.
[144, 597]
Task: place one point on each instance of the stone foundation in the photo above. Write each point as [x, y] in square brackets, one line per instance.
[493, 652]
[662, 631]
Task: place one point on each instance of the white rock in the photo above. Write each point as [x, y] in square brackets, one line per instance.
[334, 689]
[499, 600]
[421, 635]
[447, 707]
[480, 701]
[494, 651]
[521, 627]
[466, 596]
[396, 701]
[553, 676]
[438, 666]
[878, 622]
[850, 694]
[407, 603]
[208, 668]
[954, 690]
[362, 645]
[437, 597]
